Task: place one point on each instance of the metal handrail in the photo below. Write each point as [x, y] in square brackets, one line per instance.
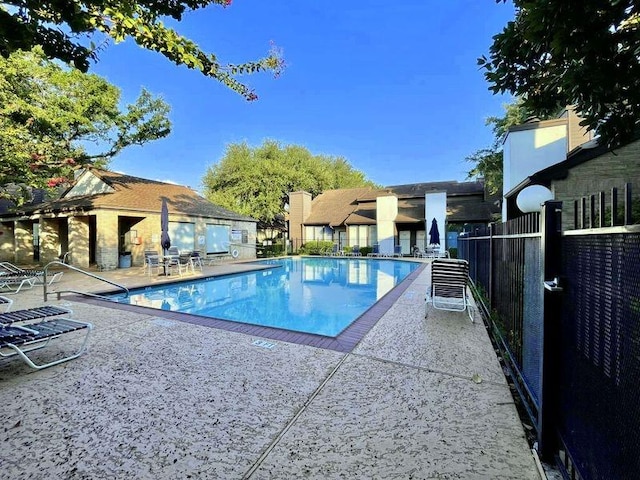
[71, 267]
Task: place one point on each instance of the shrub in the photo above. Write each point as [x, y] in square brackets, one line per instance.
[266, 251]
[364, 251]
[316, 247]
[453, 253]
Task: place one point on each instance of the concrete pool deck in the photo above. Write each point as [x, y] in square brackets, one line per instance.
[157, 398]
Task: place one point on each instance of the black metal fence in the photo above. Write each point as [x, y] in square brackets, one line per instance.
[565, 310]
[505, 266]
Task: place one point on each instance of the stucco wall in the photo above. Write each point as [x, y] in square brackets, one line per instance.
[386, 213]
[528, 151]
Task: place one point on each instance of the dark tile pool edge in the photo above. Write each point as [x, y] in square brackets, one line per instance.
[345, 342]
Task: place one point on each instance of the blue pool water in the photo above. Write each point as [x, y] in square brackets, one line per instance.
[313, 295]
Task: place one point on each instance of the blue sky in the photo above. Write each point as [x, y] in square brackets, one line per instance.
[393, 87]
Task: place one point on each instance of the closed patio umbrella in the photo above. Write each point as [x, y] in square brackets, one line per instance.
[434, 234]
[165, 240]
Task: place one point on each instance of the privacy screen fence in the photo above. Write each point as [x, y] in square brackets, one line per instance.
[564, 307]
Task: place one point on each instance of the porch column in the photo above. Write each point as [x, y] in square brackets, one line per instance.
[7, 242]
[107, 240]
[49, 240]
[24, 242]
[79, 241]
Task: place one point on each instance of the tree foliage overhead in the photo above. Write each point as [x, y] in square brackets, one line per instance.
[54, 119]
[487, 162]
[64, 29]
[558, 53]
[257, 181]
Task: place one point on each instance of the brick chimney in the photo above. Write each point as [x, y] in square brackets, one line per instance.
[299, 211]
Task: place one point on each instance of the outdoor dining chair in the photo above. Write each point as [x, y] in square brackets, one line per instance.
[152, 262]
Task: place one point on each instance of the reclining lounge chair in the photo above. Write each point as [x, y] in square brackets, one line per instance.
[24, 331]
[448, 290]
[5, 303]
[15, 283]
[9, 269]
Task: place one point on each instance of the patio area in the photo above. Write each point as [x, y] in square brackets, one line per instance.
[158, 398]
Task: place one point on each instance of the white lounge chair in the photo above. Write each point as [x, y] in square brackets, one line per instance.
[24, 331]
[5, 303]
[9, 269]
[448, 290]
[15, 283]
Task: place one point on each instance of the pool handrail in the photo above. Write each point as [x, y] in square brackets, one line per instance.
[76, 269]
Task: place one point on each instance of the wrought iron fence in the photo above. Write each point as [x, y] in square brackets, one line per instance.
[572, 343]
[505, 266]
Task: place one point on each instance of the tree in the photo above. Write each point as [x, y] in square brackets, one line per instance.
[558, 53]
[257, 181]
[488, 161]
[58, 27]
[54, 119]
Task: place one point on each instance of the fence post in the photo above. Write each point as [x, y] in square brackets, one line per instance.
[551, 229]
[490, 293]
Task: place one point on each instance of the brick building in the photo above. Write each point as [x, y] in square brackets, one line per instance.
[587, 170]
[107, 217]
[399, 215]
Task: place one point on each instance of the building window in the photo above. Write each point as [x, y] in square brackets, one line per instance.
[362, 235]
[321, 234]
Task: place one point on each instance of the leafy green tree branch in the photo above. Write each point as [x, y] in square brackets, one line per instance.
[65, 29]
[55, 119]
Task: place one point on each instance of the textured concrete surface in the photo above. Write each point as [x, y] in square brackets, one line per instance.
[155, 398]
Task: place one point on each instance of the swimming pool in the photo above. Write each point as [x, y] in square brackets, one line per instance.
[320, 296]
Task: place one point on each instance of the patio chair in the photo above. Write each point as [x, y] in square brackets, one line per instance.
[20, 340]
[151, 261]
[397, 250]
[7, 268]
[355, 251]
[23, 331]
[30, 314]
[336, 251]
[181, 262]
[448, 290]
[5, 303]
[15, 283]
[52, 279]
[197, 260]
[375, 252]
